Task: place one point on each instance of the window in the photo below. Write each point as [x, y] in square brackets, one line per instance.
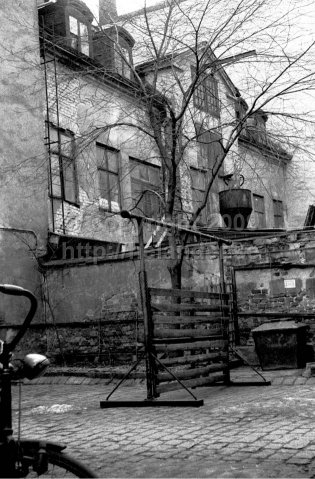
[108, 171]
[198, 188]
[79, 35]
[310, 217]
[210, 150]
[122, 61]
[145, 177]
[62, 163]
[206, 95]
[278, 214]
[259, 211]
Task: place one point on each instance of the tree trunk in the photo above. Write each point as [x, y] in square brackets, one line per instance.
[175, 269]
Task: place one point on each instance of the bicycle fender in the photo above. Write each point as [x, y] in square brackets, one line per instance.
[35, 444]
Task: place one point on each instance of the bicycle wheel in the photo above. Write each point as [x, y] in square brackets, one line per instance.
[60, 465]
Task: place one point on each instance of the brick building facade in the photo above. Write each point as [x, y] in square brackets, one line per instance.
[73, 160]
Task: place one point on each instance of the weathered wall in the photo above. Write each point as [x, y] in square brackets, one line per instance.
[91, 108]
[23, 173]
[102, 296]
[301, 189]
[264, 176]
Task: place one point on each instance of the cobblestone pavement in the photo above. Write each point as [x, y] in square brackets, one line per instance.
[239, 432]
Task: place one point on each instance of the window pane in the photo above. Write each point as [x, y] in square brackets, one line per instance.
[154, 176]
[103, 184]
[83, 30]
[278, 214]
[145, 177]
[107, 159]
[63, 184]
[134, 169]
[259, 211]
[69, 180]
[101, 157]
[112, 157]
[85, 47]
[206, 96]
[84, 36]
[109, 189]
[74, 42]
[144, 173]
[113, 187]
[73, 23]
[55, 177]
[66, 144]
[259, 205]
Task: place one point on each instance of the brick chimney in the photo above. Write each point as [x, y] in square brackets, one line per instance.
[108, 11]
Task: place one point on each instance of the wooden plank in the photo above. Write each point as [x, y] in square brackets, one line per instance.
[187, 307]
[192, 373]
[194, 358]
[215, 343]
[160, 319]
[268, 314]
[185, 339]
[215, 377]
[184, 293]
[163, 333]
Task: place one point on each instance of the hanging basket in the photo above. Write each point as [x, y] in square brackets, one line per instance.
[236, 207]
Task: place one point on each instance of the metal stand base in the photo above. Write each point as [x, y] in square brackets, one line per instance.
[151, 403]
[250, 383]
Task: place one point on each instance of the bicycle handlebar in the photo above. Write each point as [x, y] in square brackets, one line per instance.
[18, 291]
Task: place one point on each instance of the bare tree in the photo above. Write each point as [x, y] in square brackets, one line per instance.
[182, 52]
[183, 110]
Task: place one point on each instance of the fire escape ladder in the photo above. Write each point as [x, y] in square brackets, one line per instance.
[52, 110]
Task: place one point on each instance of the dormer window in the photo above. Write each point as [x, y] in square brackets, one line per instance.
[113, 49]
[122, 61]
[79, 35]
[69, 23]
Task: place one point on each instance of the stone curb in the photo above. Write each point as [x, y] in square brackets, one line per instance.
[78, 380]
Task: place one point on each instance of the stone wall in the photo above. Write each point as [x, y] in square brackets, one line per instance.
[23, 169]
[110, 341]
[275, 274]
[280, 289]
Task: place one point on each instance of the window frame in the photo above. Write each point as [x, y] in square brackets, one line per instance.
[144, 185]
[206, 94]
[121, 65]
[80, 21]
[62, 158]
[106, 169]
[276, 203]
[262, 213]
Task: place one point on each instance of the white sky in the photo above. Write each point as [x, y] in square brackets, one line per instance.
[123, 6]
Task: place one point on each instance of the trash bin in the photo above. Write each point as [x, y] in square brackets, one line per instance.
[281, 344]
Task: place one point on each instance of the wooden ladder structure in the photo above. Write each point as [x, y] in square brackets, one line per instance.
[181, 326]
[190, 337]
